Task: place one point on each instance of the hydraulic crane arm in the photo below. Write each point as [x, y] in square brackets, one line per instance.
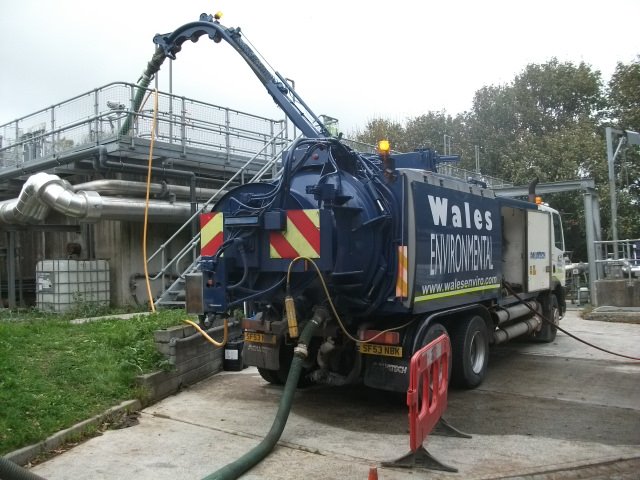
[171, 43]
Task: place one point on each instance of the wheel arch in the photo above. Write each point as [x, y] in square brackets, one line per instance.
[448, 318]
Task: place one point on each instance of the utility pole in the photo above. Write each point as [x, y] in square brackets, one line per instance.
[447, 144]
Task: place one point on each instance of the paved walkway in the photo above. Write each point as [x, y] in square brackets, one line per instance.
[559, 410]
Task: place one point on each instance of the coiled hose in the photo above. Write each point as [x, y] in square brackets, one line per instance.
[13, 471]
[250, 459]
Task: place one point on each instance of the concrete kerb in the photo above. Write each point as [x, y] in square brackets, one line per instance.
[614, 314]
[27, 454]
[119, 316]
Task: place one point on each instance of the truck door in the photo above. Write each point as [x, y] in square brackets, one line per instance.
[558, 270]
[539, 254]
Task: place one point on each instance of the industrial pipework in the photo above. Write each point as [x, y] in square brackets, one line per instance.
[44, 192]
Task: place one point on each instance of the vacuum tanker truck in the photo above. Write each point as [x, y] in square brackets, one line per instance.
[383, 252]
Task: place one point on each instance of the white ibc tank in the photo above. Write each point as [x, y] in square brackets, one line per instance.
[62, 284]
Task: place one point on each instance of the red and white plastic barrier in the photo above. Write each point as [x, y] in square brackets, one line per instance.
[427, 401]
[428, 384]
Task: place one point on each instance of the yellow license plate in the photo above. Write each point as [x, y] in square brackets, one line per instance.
[259, 337]
[384, 350]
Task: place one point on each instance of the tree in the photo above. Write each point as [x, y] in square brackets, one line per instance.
[554, 95]
[624, 95]
[521, 125]
[624, 104]
[381, 129]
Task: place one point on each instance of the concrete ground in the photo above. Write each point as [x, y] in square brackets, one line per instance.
[550, 411]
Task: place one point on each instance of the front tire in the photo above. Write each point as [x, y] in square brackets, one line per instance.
[551, 312]
[470, 346]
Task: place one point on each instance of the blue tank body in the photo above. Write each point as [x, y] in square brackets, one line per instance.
[374, 231]
[331, 206]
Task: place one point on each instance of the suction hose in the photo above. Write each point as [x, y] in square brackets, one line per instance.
[254, 456]
[13, 471]
[143, 82]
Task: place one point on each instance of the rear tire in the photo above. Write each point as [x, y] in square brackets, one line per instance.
[434, 331]
[470, 346]
[270, 376]
[550, 311]
[279, 377]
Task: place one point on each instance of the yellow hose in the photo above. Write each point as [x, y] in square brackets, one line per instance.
[206, 335]
[333, 308]
[146, 206]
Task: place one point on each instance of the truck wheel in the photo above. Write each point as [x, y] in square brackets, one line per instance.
[550, 311]
[279, 377]
[470, 352]
[433, 332]
[270, 376]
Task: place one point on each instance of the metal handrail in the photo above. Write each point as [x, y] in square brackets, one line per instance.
[617, 254]
[259, 136]
[55, 129]
[130, 85]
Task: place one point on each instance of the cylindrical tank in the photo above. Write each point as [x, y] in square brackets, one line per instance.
[336, 212]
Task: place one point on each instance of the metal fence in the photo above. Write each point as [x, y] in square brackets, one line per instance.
[618, 259]
[98, 116]
[466, 175]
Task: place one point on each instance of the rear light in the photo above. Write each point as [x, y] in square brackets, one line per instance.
[377, 336]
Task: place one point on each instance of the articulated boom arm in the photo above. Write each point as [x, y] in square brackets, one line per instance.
[171, 43]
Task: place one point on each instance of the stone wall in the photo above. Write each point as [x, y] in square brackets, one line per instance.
[192, 357]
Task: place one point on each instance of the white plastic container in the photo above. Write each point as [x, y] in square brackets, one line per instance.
[63, 284]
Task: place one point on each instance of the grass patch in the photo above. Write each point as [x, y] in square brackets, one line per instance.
[54, 374]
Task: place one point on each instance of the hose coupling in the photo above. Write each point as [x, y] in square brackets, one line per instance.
[301, 351]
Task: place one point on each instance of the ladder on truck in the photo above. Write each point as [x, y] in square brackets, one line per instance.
[173, 295]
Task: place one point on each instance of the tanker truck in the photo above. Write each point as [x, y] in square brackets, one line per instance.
[383, 252]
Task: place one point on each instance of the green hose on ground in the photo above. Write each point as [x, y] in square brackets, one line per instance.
[13, 471]
[250, 459]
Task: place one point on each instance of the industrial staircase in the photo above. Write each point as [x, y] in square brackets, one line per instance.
[174, 295]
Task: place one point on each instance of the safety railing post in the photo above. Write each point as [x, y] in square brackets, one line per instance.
[171, 119]
[134, 120]
[227, 140]
[53, 128]
[183, 125]
[96, 114]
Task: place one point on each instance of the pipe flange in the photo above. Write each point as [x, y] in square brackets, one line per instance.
[301, 351]
[93, 206]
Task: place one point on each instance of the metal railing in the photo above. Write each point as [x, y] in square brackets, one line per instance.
[618, 259]
[98, 115]
[466, 175]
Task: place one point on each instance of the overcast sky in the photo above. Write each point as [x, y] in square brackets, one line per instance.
[351, 59]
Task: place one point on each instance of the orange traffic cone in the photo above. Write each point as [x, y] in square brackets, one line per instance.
[373, 473]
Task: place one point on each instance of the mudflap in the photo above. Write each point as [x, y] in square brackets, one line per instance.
[262, 355]
[386, 373]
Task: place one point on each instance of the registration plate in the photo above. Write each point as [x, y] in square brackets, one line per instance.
[384, 350]
[254, 337]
